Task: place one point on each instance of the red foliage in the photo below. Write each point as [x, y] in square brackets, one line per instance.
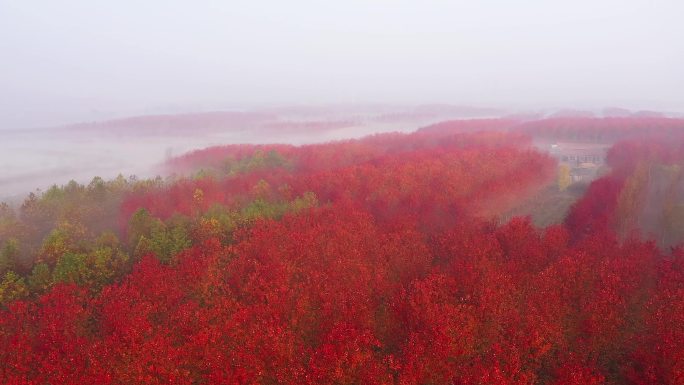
[430, 175]
[395, 279]
[610, 129]
[593, 213]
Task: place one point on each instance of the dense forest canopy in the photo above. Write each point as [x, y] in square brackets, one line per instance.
[488, 251]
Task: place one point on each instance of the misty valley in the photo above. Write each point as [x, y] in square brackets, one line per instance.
[386, 192]
[365, 248]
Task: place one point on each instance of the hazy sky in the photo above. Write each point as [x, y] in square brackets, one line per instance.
[81, 60]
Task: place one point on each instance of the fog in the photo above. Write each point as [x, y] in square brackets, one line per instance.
[76, 61]
[139, 145]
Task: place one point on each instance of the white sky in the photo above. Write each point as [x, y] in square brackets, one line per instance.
[81, 60]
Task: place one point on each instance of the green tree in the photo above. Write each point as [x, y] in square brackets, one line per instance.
[8, 255]
[167, 241]
[8, 220]
[257, 161]
[66, 237]
[97, 186]
[108, 260]
[261, 208]
[12, 287]
[40, 279]
[306, 201]
[140, 225]
[72, 268]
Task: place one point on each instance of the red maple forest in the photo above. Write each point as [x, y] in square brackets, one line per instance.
[435, 257]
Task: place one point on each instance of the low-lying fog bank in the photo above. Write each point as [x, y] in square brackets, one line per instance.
[33, 159]
[39, 158]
